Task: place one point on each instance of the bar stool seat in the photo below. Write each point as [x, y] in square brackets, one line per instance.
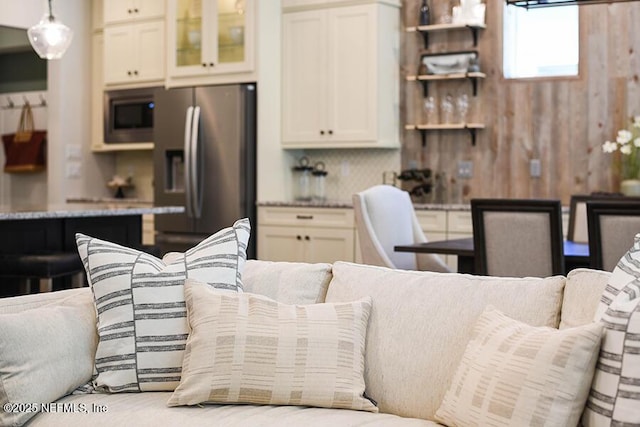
[45, 267]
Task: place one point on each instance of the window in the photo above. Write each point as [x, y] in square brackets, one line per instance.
[540, 42]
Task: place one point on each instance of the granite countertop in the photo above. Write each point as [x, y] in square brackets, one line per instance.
[77, 210]
[348, 204]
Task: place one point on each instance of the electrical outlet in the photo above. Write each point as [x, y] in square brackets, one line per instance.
[465, 169]
[535, 168]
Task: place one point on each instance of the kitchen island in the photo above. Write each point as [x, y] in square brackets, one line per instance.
[51, 228]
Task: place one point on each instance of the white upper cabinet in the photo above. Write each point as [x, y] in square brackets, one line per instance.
[134, 53]
[340, 77]
[118, 11]
[210, 37]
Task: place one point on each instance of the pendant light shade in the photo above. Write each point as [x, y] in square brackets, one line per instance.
[50, 38]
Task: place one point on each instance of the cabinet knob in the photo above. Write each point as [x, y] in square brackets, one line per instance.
[307, 238]
[135, 10]
[321, 132]
[129, 11]
[299, 237]
[128, 73]
[330, 132]
[204, 64]
[211, 64]
[135, 72]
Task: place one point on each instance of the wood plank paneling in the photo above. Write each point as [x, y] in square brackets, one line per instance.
[561, 121]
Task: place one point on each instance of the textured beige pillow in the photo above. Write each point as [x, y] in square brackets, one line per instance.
[287, 282]
[45, 353]
[247, 348]
[513, 374]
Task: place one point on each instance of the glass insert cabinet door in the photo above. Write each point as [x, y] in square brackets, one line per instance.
[210, 36]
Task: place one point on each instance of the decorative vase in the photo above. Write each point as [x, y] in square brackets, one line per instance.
[630, 187]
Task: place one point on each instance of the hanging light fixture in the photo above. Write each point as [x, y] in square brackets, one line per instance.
[50, 38]
[535, 4]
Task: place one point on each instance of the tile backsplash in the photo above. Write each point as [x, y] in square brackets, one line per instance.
[353, 170]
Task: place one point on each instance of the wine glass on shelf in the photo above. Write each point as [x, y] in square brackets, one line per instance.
[429, 110]
[462, 107]
[446, 109]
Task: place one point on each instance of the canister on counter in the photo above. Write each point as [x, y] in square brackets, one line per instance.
[302, 180]
[319, 185]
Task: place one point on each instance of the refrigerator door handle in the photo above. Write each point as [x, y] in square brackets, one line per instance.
[196, 173]
[187, 161]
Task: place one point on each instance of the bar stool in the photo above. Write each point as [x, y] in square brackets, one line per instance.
[45, 267]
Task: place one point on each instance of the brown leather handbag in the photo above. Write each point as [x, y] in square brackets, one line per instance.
[25, 150]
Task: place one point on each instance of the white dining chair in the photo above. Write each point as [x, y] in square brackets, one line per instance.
[385, 217]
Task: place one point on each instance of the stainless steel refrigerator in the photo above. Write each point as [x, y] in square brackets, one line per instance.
[205, 160]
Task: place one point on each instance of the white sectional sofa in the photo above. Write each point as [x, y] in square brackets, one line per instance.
[419, 327]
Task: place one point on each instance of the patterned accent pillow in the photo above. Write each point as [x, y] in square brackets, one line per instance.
[139, 299]
[627, 271]
[615, 392]
[513, 374]
[247, 348]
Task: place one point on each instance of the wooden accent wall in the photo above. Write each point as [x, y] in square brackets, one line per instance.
[561, 121]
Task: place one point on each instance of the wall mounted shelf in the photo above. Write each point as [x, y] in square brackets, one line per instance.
[423, 129]
[426, 29]
[425, 79]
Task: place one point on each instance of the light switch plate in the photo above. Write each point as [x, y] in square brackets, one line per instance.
[535, 169]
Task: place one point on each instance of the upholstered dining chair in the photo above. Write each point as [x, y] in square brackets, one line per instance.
[385, 217]
[578, 228]
[517, 237]
[612, 226]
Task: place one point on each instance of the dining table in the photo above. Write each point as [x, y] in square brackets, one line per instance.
[576, 255]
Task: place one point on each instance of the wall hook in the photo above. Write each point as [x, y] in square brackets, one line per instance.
[43, 102]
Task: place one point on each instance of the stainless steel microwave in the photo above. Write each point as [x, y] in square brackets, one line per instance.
[128, 115]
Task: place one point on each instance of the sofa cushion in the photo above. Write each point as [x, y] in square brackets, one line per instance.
[582, 294]
[27, 302]
[140, 304]
[627, 271]
[247, 348]
[513, 374]
[421, 322]
[615, 393]
[45, 353]
[287, 282]
[150, 410]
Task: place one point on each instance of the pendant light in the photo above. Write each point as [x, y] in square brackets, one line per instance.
[534, 4]
[50, 38]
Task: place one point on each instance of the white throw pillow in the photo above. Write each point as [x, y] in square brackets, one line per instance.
[45, 354]
[513, 374]
[627, 271]
[615, 393]
[142, 319]
[247, 348]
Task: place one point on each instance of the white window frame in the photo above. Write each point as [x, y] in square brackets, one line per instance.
[519, 43]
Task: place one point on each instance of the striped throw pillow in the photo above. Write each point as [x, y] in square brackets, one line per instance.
[615, 392]
[139, 299]
[247, 348]
[513, 374]
[627, 271]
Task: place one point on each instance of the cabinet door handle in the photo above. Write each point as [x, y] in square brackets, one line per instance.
[330, 132]
[135, 10]
[307, 238]
[321, 132]
[135, 72]
[128, 73]
[129, 11]
[299, 237]
[304, 216]
[211, 64]
[204, 64]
